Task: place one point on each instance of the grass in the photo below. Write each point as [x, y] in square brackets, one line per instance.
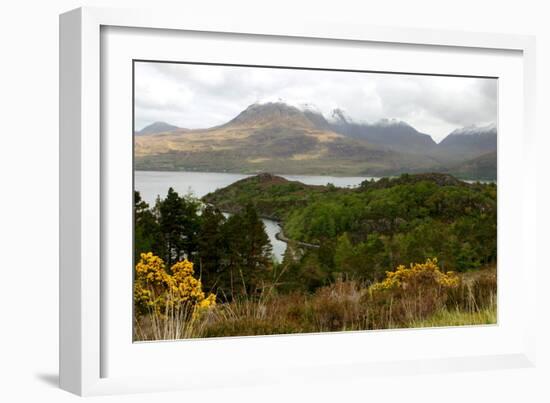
[456, 317]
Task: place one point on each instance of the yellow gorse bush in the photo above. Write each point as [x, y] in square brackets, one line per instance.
[156, 290]
[418, 275]
[412, 293]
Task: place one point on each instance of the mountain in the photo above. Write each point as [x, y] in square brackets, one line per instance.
[276, 114]
[157, 127]
[469, 142]
[389, 133]
[274, 137]
[281, 138]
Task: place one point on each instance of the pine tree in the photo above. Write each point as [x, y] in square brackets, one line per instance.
[146, 229]
[344, 255]
[248, 251]
[211, 246]
[179, 224]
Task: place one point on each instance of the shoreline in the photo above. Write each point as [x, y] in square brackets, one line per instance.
[281, 237]
[331, 175]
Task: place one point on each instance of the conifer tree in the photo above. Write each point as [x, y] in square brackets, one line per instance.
[146, 229]
[249, 252]
[179, 224]
[211, 246]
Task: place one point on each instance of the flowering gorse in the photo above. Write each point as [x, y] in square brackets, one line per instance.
[414, 292]
[155, 290]
[416, 277]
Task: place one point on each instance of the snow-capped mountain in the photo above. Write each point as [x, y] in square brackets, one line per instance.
[388, 133]
[474, 130]
[470, 141]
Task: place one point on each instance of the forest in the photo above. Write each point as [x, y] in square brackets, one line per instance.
[409, 251]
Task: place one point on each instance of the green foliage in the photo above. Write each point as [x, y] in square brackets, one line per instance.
[211, 243]
[409, 221]
[179, 224]
[341, 242]
[360, 232]
[248, 252]
[146, 228]
[363, 231]
[232, 256]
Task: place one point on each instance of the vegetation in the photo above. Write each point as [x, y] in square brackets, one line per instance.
[345, 305]
[416, 250]
[172, 301]
[232, 255]
[381, 224]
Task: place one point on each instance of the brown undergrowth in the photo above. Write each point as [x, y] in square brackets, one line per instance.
[409, 297]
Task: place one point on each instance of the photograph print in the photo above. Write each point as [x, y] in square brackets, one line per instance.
[272, 200]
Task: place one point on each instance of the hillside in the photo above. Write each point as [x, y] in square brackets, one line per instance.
[410, 209]
[393, 134]
[469, 142]
[272, 195]
[483, 167]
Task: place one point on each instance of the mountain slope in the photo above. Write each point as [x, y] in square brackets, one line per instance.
[469, 142]
[393, 134]
[483, 167]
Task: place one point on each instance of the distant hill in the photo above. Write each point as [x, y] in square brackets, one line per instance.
[266, 191]
[469, 142]
[440, 179]
[275, 197]
[157, 127]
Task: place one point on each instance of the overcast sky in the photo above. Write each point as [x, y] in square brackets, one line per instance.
[197, 96]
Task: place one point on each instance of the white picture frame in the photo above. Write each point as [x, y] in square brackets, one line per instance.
[86, 346]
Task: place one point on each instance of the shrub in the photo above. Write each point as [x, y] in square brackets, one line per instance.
[477, 291]
[156, 291]
[174, 306]
[410, 293]
[338, 307]
[266, 313]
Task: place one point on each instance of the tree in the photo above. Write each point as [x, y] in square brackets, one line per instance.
[211, 246]
[344, 255]
[248, 251]
[146, 228]
[179, 223]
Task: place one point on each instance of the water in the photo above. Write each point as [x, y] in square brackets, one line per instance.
[151, 184]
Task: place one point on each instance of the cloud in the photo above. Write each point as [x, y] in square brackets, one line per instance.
[199, 96]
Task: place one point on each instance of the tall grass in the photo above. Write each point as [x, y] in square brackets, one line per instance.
[456, 317]
[343, 305]
[176, 321]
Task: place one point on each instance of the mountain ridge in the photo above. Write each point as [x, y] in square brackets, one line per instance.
[281, 138]
[471, 141]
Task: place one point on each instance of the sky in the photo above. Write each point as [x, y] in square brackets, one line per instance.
[201, 96]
